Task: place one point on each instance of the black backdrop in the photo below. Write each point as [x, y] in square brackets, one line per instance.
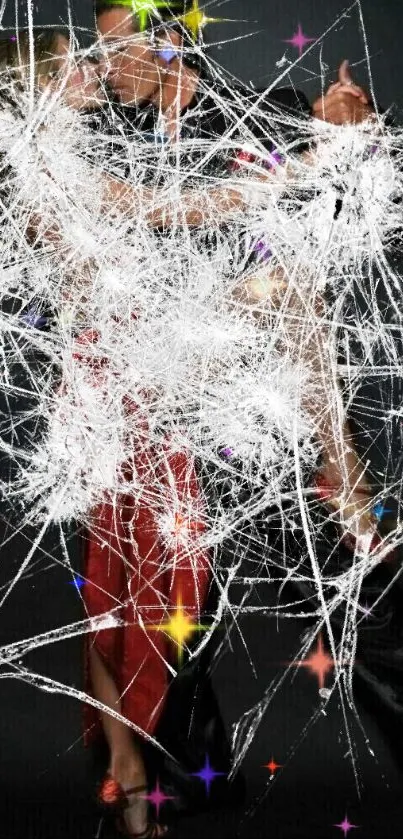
[45, 773]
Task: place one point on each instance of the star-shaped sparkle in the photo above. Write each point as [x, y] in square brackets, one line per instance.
[299, 40]
[196, 19]
[346, 825]
[320, 663]
[157, 797]
[78, 581]
[272, 767]
[207, 774]
[227, 452]
[180, 627]
[144, 9]
[379, 510]
[366, 611]
[263, 250]
[33, 318]
[168, 54]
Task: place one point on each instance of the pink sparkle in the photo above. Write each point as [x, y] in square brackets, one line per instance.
[157, 797]
[346, 826]
[299, 40]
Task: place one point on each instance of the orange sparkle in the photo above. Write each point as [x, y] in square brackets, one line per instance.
[320, 663]
[182, 523]
[272, 766]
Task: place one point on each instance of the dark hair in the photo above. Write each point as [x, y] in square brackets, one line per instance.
[102, 6]
[15, 50]
[167, 15]
[164, 14]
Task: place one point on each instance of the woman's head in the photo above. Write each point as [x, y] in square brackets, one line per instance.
[56, 68]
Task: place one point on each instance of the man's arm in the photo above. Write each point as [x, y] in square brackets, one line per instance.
[344, 103]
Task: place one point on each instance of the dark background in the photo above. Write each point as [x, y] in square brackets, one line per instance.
[46, 776]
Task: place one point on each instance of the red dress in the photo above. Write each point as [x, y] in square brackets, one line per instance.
[143, 561]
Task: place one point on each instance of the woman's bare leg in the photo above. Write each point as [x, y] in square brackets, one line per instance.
[126, 763]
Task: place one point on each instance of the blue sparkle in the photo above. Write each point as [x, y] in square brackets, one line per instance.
[155, 137]
[78, 582]
[207, 774]
[379, 510]
[33, 318]
[167, 54]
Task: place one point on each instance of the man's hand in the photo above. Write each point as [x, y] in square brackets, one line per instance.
[344, 101]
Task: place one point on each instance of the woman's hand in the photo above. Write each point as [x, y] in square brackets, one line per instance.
[344, 102]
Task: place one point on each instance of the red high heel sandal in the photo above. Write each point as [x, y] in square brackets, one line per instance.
[152, 831]
[113, 797]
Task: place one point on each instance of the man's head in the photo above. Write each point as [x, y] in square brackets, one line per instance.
[130, 63]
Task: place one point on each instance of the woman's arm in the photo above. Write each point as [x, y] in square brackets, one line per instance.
[193, 210]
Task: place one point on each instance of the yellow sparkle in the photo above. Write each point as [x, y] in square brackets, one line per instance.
[196, 19]
[179, 627]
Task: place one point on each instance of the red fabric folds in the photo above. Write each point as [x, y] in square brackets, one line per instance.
[143, 559]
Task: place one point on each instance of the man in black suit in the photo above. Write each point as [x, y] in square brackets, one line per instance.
[162, 68]
[163, 91]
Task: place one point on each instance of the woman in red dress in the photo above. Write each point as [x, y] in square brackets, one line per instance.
[142, 565]
[156, 584]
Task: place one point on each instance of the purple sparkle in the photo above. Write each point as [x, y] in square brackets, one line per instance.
[274, 159]
[34, 318]
[299, 40]
[346, 826]
[227, 452]
[263, 250]
[13, 38]
[366, 610]
[207, 774]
